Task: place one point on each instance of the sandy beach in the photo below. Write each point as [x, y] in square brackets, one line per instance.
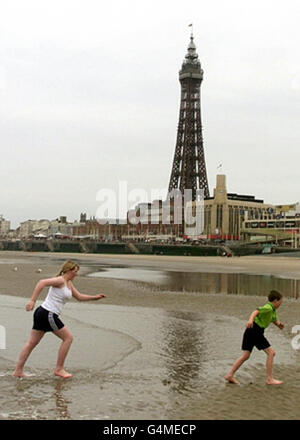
[143, 352]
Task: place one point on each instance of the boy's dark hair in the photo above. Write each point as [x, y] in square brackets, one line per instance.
[273, 295]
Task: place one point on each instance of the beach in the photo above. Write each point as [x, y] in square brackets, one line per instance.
[146, 352]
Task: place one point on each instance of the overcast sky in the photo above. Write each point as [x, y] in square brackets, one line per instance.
[89, 97]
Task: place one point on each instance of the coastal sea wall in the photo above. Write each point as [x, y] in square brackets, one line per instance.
[67, 246]
[94, 247]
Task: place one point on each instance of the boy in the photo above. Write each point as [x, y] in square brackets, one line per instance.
[254, 336]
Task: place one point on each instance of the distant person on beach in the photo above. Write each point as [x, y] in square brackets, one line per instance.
[46, 316]
[254, 337]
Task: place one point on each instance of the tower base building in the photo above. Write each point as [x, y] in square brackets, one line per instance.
[224, 213]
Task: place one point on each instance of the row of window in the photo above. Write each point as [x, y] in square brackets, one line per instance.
[276, 224]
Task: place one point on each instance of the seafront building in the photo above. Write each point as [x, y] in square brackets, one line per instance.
[283, 226]
[224, 216]
[45, 228]
[4, 226]
[224, 213]
[105, 230]
[31, 227]
[230, 216]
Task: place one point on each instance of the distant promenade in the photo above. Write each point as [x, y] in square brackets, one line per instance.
[97, 247]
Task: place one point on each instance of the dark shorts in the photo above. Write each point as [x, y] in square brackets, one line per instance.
[254, 337]
[46, 321]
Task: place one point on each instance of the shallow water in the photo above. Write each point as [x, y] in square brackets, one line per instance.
[166, 361]
[143, 363]
[204, 282]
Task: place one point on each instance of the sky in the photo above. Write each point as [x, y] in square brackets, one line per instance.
[89, 99]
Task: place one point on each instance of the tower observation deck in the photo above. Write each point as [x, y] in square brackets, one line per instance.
[189, 169]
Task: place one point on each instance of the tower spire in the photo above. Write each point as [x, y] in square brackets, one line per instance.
[192, 57]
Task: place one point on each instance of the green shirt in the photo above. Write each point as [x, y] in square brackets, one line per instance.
[267, 314]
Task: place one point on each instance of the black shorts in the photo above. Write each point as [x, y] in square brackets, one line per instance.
[254, 337]
[46, 321]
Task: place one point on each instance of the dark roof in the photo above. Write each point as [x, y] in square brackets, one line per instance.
[241, 197]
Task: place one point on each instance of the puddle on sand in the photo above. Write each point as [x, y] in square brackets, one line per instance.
[204, 282]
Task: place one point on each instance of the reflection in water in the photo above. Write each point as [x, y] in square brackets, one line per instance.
[61, 402]
[205, 282]
[232, 283]
[183, 345]
[129, 273]
[32, 395]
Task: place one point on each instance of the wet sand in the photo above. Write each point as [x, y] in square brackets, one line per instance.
[144, 353]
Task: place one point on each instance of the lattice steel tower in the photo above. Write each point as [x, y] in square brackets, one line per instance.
[189, 169]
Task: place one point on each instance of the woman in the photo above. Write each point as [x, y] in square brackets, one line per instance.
[46, 316]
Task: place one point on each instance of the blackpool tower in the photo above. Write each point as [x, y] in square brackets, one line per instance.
[189, 169]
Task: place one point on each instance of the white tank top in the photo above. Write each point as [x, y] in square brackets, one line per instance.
[56, 298]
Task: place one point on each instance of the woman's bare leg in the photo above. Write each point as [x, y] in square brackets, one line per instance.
[34, 339]
[67, 340]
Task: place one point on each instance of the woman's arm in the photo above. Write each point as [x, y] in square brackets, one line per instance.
[55, 282]
[81, 297]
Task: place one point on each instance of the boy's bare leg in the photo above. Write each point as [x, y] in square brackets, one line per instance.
[269, 364]
[229, 376]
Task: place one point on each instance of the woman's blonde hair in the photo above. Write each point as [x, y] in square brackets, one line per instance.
[68, 265]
